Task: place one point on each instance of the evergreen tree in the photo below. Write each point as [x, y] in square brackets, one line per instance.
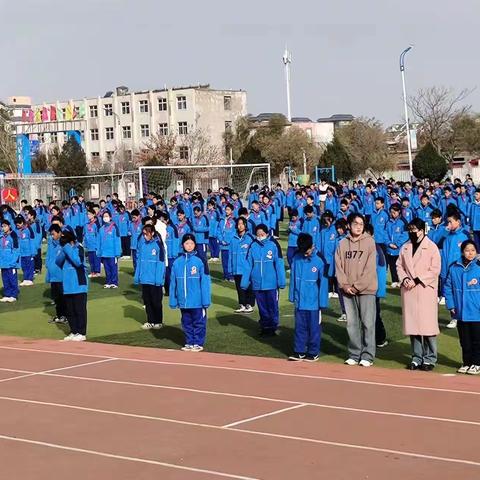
[336, 154]
[72, 162]
[428, 163]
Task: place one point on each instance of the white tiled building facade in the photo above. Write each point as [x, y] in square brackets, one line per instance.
[124, 121]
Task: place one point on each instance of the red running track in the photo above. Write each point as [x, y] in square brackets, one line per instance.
[106, 411]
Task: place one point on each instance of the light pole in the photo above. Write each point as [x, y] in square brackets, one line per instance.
[287, 60]
[409, 145]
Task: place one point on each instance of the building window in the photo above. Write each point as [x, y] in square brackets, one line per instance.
[162, 104]
[94, 134]
[41, 138]
[183, 153]
[54, 137]
[143, 106]
[125, 108]
[227, 102]
[163, 128]
[93, 111]
[108, 109]
[127, 132]
[145, 130]
[228, 126]
[182, 128]
[109, 155]
[109, 133]
[95, 155]
[128, 155]
[181, 102]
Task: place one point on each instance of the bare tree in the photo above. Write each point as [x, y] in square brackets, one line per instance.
[158, 150]
[436, 109]
[8, 160]
[200, 149]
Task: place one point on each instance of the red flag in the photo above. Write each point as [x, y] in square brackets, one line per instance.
[53, 113]
[31, 116]
[44, 114]
[24, 115]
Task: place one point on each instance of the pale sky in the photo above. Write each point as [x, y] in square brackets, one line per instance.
[345, 53]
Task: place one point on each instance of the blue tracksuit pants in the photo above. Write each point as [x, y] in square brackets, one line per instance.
[134, 258]
[308, 331]
[194, 324]
[225, 255]
[290, 254]
[10, 282]
[111, 270]
[214, 247]
[28, 267]
[267, 301]
[94, 261]
[202, 251]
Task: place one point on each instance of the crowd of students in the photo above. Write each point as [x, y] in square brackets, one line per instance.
[341, 241]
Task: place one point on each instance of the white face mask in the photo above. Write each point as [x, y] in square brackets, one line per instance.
[106, 219]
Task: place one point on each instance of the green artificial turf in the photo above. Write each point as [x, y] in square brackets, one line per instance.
[116, 316]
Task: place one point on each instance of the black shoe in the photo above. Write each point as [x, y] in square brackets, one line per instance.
[412, 366]
[268, 332]
[427, 367]
[311, 358]
[297, 357]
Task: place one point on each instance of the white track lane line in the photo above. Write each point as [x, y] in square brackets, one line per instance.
[254, 397]
[129, 459]
[252, 370]
[44, 372]
[240, 430]
[258, 417]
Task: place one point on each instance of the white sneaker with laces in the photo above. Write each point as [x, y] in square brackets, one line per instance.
[197, 348]
[4, 299]
[365, 363]
[464, 369]
[342, 318]
[474, 370]
[147, 326]
[78, 338]
[187, 348]
[452, 324]
[248, 309]
[11, 299]
[113, 286]
[107, 285]
[157, 326]
[351, 362]
[241, 309]
[69, 338]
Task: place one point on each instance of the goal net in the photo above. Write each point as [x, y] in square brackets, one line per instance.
[166, 179]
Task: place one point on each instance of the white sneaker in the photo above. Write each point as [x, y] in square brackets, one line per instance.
[22, 283]
[452, 324]
[157, 326]
[342, 318]
[441, 301]
[78, 338]
[27, 283]
[197, 348]
[147, 326]
[365, 363]
[107, 286]
[395, 285]
[351, 362]
[334, 295]
[69, 338]
[113, 286]
[91, 275]
[125, 257]
[187, 348]
[248, 309]
[383, 344]
[241, 309]
[464, 369]
[474, 370]
[4, 299]
[11, 299]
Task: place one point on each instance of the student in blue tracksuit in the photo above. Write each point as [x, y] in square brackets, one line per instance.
[368, 202]
[308, 291]
[9, 262]
[265, 271]
[474, 217]
[257, 216]
[54, 274]
[200, 227]
[123, 221]
[331, 201]
[311, 224]
[36, 226]
[135, 231]
[71, 259]
[438, 231]
[225, 233]
[190, 291]
[183, 225]
[90, 243]
[150, 274]
[290, 199]
[379, 220]
[213, 216]
[237, 260]
[327, 241]
[172, 244]
[396, 236]
[270, 211]
[26, 239]
[451, 251]
[109, 249]
[407, 211]
[424, 210]
[294, 229]
[463, 300]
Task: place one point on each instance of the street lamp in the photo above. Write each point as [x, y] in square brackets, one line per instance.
[287, 60]
[409, 145]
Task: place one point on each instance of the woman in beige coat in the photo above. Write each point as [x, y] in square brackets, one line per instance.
[418, 269]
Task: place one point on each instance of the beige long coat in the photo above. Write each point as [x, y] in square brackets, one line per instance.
[420, 305]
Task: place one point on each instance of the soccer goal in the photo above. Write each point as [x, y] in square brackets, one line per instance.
[166, 179]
